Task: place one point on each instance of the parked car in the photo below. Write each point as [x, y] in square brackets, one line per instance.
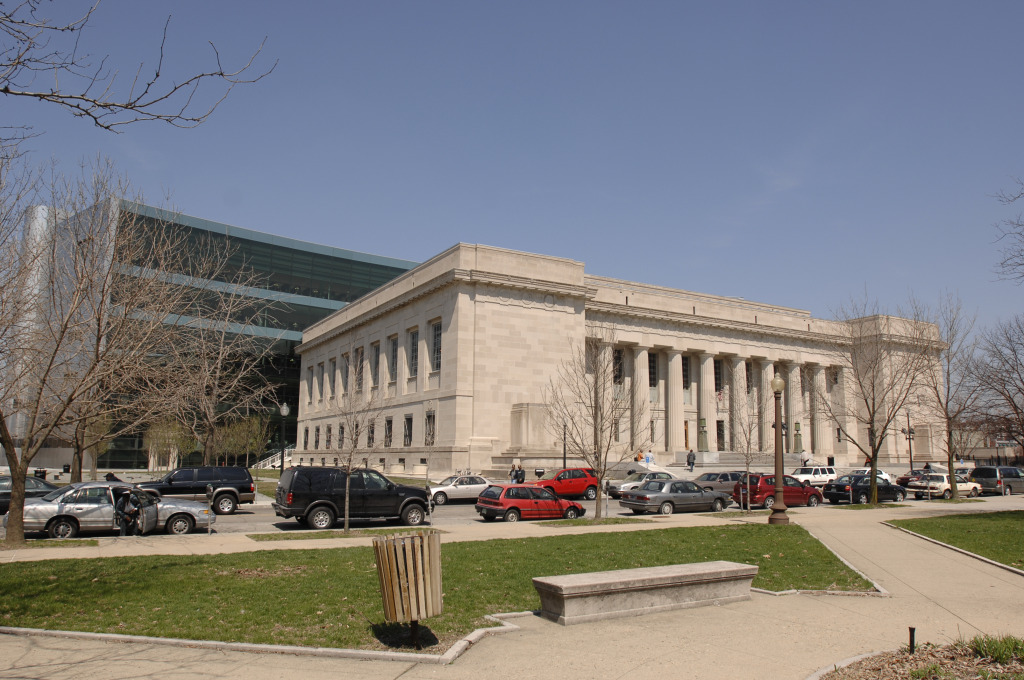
[666, 496]
[570, 482]
[231, 486]
[86, 506]
[857, 489]
[719, 481]
[882, 474]
[999, 479]
[180, 517]
[633, 481]
[525, 501]
[763, 491]
[315, 496]
[456, 487]
[964, 472]
[34, 488]
[904, 480]
[938, 486]
[815, 475]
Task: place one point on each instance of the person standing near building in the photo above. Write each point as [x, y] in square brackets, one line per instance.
[512, 474]
[691, 458]
[520, 475]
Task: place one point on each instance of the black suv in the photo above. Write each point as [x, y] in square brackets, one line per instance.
[315, 496]
[231, 486]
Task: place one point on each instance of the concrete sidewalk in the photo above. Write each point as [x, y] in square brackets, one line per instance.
[942, 593]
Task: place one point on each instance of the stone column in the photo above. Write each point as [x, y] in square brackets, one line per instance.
[738, 416]
[707, 406]
[674, 412]
[794, 405]
[641, 398]
[766, 407]
[821, 427]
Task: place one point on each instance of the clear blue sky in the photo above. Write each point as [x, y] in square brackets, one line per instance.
[794, 153]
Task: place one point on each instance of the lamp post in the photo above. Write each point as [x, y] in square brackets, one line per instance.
[778, 515]
[285, 410]
[908, 432]
[702, 435]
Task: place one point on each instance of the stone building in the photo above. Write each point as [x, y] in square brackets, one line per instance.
[457, 352]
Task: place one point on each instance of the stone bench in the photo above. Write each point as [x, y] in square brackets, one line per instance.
[577, 598]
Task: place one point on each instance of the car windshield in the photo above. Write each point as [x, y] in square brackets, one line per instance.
[446, 481]
[57, 493]
[635, 477]
[549, 475]
[803, 471]
[653, 485]
[845, 479]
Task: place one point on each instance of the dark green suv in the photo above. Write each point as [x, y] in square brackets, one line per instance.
[230, 486]
[315, 496]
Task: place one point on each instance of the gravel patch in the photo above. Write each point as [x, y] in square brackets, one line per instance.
[928, 662]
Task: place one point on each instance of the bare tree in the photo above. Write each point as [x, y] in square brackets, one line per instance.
[953, 383]
[166, 441]
[42, 58]
[745, 433]
[883, 361]
[1011, 237]
[590, 405]
[1001, 374]
[86, 342]
[359, 417]
[246, 438]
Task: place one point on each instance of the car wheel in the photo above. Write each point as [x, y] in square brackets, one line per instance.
[591, 493]
[180, 525]
[321, 518]
[974, 493]
[717, 505]
[62, 527]
[898, 497]
[512, 515]
[225, 504]
[769, 502]
[666, 508]
[862, 498]
[918, 496]
[812, 501]
[947, 494]
[440, 498]
[413, 515]
[571, 513]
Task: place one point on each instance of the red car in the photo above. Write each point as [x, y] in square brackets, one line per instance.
[570, 482]
[763, 492]
[524, 501]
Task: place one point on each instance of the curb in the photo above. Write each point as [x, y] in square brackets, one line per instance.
[453, 653]
[1005, 567]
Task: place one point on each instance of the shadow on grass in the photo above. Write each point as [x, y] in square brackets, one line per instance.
[400, 636]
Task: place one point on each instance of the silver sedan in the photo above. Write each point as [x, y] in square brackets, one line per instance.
[672, 495]
[181, 517]
[85, 506]
[458, 487]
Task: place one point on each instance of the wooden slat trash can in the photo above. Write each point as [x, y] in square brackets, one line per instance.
[409, 568]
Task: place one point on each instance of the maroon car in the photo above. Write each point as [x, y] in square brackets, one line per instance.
[762, 488]
[524, 501]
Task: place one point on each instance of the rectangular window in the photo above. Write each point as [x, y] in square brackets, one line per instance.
[389, 427]
[320, 381]
[305, 439]
[375, 364]
[414, 353]
[718, 375]
[720, 432]
[316, 437]
[344, 373]
[331, 378]
[341, 436]
[652, 369]
[618, 372]
[327, 438]
[392, 358]
[686, 371]
[407, 432]
[435, 349]
[370, 434]
[309, 385]
[750, 376]
[428, 430]
[358, 358]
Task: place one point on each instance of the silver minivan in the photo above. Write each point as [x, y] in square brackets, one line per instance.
[999, 479]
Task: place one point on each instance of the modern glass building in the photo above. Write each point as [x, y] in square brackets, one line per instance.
[310, 281]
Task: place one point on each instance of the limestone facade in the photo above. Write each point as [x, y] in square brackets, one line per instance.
[457, 352]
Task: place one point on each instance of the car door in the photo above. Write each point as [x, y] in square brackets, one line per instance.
[687, 496]
[545, 505]
[181, 484]
[92, 508]
[378, 501]
[149, 511]
[793, 491]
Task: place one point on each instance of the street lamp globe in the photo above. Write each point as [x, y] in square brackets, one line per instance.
[778, 384]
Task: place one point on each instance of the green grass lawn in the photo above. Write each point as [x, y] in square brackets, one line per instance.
[331, 597]
[998, 536]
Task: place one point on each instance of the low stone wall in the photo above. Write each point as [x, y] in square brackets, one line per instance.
[578, 598]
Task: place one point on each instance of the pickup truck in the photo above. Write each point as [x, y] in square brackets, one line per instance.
[815, 475]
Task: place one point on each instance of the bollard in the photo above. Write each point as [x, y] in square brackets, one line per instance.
[911, 646]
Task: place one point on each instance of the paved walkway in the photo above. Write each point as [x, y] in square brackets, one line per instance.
[942, 593]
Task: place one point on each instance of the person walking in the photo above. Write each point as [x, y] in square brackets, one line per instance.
[512, 474]
[691, 458]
